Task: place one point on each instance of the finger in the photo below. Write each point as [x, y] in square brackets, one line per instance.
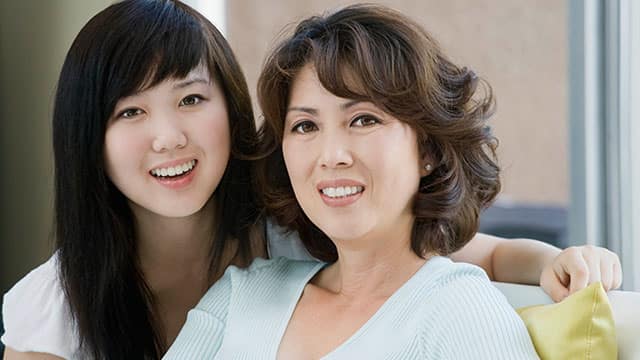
[606, 273]
[617, 275]
[564, 261]
[559, 272]
[553, 286]
[579, 273]
[592, 259]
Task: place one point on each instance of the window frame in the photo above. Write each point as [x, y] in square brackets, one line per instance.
[604, 38]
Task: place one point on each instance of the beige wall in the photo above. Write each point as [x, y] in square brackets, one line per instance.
[519, 46]
[34, 37]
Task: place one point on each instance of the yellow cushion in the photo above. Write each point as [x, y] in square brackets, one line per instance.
[579, 327]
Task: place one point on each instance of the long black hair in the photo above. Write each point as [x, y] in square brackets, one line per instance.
[128, 47]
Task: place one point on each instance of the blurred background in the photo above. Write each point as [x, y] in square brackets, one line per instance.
[561, 71]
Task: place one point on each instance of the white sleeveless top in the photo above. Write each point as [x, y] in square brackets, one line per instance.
[37, 316]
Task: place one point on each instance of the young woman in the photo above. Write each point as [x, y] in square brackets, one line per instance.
[380, 157]
[153, 133]
[151, 129]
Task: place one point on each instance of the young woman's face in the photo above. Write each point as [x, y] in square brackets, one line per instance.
[354, 169]
[167, 147]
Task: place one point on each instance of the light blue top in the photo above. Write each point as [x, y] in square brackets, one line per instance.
[445, 311]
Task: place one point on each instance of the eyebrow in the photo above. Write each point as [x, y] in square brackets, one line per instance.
[314, 112]
[186, 82]
[308, 110]
[349, 104]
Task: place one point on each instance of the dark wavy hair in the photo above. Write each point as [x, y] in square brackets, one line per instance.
[128, 47]
[373, 53]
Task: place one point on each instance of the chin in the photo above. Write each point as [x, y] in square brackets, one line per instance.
[344, 231]
[179, 212]
[176, 209]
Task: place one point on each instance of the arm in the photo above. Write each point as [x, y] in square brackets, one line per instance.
[10, 354]
[559, 272]
[508, 260]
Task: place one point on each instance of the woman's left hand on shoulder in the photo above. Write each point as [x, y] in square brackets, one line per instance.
[578, 266]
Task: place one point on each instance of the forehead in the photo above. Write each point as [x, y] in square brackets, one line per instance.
[199, 71]
[309, 88]
[199, 74]
[306, 78]
[306, 87]
[344, 80]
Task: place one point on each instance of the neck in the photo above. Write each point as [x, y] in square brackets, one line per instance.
[173, 249]
[373, 267]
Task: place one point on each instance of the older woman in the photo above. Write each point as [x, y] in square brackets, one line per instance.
[382, 160]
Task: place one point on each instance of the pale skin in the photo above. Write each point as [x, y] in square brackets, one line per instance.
[174, 236]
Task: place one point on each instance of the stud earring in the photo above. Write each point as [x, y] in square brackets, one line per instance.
[428, 167]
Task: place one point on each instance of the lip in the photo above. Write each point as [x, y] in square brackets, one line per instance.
[341, 201]
[337, 183]
[173, 163]
[178, 182]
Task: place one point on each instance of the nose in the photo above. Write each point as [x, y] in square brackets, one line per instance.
[335, 152]
[168, 134]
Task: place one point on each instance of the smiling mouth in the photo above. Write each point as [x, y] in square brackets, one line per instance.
[174, 172]
[341, 191]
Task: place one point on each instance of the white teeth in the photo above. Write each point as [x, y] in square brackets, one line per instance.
[335, 192]
[174, 170]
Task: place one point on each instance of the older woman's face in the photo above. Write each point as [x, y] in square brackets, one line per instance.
[354, 169]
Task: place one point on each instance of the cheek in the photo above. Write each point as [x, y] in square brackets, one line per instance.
[294, 160]
[215, 133]
[395, 157]
[298, 159]
[120, 146]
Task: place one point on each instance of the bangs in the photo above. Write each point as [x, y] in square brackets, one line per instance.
[348, 66]
[156, 42]
[340, 75]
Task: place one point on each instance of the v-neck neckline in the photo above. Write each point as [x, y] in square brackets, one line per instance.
[397, 296]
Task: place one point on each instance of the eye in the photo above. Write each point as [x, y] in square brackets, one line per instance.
[304, 127]
[129, 113]
[365, 120]
[191, 100]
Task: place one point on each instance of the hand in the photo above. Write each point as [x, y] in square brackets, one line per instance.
[578, 266]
